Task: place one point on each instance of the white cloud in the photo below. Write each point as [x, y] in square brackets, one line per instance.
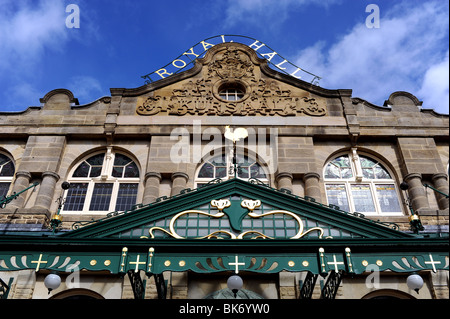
[435, 87]
[27, 28]
[85, 88]
[406, 49]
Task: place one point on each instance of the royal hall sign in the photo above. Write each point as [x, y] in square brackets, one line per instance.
[230, 84]
[185, 60]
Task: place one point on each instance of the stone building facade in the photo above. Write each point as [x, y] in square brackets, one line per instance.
[143, 144]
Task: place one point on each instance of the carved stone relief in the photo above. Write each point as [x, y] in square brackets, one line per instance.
[231, 68]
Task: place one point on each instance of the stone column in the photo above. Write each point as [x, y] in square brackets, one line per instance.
[287, 285]
[151, 191]
[179, 180]
[46, 190]
[22, 181]
[284, 180]
[179, 285]
[440, 182]
[416, 191]
[312, 187]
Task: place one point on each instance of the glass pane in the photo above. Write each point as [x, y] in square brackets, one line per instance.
[117, 171]
[82, 170]
[131, 170]
[221, 172]
[126, 197]
[101, 196]
[76, 195]
[367, 162]
[346, 173]
[381, 173]
[244, 160]
[96, 160]
[332, 171]
[337, 195]
[121, 160]
[368, 173]
[95, 171]
[243, 172]
[206, 171]
[257, 171]
[4, 187]
[4, 159]
[362, 197]
[342, 161]
[387, 198]
[7, 169]
[219, 161]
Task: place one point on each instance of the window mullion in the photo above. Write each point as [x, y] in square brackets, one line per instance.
[89, 192]
[114, 195]
[107, 164]
[357, 164]
[375, 197]
[348, 189]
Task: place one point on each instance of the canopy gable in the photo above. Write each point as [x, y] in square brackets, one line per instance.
[237, 209]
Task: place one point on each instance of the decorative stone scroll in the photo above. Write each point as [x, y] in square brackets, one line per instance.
[231, 68]
[198, 101]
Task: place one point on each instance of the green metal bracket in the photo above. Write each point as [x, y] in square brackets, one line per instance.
[436, 190]
[9, 199]
[5, 288]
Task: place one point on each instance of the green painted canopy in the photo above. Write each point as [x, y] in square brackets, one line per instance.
[228, 226]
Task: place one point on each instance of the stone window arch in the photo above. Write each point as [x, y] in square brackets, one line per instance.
[102, 182]
[221, 167]
[77, 294]
[357, 182]
[7, 170]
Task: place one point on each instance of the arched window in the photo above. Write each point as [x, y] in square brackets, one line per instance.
[358, 183]
[103, 182]
[6, 174]
[222, 167]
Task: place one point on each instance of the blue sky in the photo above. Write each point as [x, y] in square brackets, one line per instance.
[119, 41]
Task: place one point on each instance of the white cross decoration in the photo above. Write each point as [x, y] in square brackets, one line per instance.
[236, 264]
[137, 263]
[335, 263]
[432, 262]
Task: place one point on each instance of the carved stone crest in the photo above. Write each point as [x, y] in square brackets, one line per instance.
[233, 64]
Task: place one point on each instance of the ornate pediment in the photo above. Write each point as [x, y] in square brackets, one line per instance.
[231, 82]
[231, 64]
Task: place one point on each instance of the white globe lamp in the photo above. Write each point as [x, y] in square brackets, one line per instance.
[52, 281]
[235, 283]
[414, 282]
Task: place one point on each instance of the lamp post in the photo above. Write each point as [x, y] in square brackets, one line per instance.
[56, 220]
[235, 283]
[414, 219]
